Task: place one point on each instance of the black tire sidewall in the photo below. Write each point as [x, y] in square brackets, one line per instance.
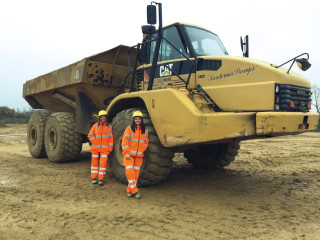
[215, 156]
[54, 154]
[118, 130]
[37, 121]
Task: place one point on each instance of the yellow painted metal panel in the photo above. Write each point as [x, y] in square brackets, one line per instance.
[184, 123]
[273, 123]
[244, 97]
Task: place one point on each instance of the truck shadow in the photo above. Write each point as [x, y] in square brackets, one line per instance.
[231, 182]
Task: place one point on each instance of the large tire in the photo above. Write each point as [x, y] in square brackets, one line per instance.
[62, 141]
[157, 160]
[214, 156]
[35, 134]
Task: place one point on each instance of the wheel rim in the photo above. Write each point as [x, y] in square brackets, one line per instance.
[118, 149]
[33, 135]
[52, 138]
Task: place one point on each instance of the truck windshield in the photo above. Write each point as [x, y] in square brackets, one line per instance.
[205, 43]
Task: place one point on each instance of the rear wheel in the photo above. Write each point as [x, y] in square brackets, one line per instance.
[214, 156]
[157, 160]
[35, 134]
[62, 141]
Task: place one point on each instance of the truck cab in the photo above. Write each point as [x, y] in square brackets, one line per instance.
[192, 57]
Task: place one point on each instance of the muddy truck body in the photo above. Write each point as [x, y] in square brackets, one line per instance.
[195, 99]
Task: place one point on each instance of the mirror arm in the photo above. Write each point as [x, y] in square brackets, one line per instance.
[293, 61]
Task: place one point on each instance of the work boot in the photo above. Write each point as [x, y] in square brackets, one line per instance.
[94, 181]
[129, 195]
[100, 182]
[137, 195]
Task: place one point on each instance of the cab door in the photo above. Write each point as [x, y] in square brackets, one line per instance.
[172, 64]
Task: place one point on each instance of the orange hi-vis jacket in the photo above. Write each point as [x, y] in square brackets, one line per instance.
[101, 137]
[135, 143]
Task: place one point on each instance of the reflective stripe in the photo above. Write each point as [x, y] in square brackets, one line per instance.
[132, 181]
[95, 128]
[95, 155]
[131, 134]
[102, 173]
[96, 146]
[132, 151]
[137, 140]
[99, 136]
[130, 166]
[138, 168]
[124, 147]
[94, 171]
[132, 186]
[145, 135]
[100, 146]
[94, 167]
[103, 168]
[104, 156]
[108, 131]
[111, 144]
[126, 135]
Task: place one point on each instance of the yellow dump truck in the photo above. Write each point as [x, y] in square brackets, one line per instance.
[195, 99]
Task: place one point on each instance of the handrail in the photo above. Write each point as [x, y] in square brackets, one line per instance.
[149, 41]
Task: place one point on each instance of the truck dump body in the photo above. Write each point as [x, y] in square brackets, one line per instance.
[98, 76]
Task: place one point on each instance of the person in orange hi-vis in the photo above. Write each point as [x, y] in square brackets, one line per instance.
[134, 143]
[101, 139]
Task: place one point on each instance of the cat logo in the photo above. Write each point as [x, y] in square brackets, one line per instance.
[165, 70]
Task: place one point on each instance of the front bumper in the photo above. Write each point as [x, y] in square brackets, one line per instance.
[281, 123]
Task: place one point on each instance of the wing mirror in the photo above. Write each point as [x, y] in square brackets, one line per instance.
[151, 14]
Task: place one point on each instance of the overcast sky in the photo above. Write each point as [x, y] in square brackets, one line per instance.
[39, 36]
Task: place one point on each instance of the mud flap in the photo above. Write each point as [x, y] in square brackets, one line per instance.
[84, 110]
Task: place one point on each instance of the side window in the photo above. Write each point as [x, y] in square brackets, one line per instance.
[167, 52]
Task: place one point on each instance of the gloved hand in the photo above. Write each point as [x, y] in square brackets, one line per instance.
[128, 156]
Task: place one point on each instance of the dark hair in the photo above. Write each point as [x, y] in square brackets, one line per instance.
[134, 126]
[107, 122]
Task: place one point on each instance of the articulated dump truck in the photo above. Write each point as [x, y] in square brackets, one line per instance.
[195, 98]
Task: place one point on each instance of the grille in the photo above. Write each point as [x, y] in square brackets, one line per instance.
[299, 95]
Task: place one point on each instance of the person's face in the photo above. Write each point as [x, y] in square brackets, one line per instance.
[103, 118]
[137, 120]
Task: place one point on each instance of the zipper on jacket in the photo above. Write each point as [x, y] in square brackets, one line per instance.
[101, 137]
[138, 141]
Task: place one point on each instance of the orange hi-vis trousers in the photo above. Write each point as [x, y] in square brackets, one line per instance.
[132, 167]
[95, 168]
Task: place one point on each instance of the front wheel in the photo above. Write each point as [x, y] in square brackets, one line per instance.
[157, 160]
[214, 156]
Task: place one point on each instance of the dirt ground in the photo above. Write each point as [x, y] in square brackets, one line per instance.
[271, 191]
